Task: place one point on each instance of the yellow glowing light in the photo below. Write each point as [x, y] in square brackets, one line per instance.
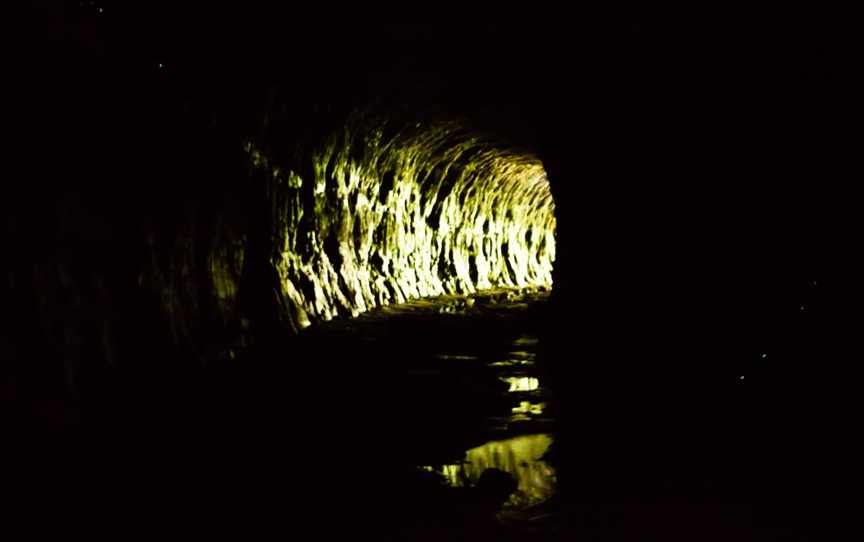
[384, 216]
[511, 363]
[521, 383]
[526, 340]
[527, 407]
[457, 357]
[521, 457]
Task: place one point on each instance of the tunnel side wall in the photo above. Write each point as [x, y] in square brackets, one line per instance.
[382, 214]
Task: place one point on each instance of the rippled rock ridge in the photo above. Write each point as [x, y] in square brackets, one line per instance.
[385, 214]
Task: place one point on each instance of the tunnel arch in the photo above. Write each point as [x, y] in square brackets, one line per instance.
[384, 211]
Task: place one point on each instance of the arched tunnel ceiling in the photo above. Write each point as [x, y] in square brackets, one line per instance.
[385, 211]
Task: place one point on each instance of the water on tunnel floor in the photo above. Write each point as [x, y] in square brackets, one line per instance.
[451, 387]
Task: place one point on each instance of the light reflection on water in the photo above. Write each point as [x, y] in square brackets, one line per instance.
[456, 357]
[486, 379]
[527, 407]
[516, 358]
[521, 383]
[526, 340]
[521, 457]
[511, 363]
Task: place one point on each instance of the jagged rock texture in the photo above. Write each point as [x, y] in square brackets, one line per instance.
[382, 214]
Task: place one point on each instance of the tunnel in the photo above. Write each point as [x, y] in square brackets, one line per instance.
[387, 213]
[211, 217]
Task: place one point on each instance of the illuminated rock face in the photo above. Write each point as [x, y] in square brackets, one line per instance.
[385, 214]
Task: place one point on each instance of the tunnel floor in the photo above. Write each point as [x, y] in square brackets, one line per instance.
[439, 389]
[429, 394]
[382, 424]
[450, 387]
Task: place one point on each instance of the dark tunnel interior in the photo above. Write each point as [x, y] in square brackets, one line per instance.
[246, 250]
